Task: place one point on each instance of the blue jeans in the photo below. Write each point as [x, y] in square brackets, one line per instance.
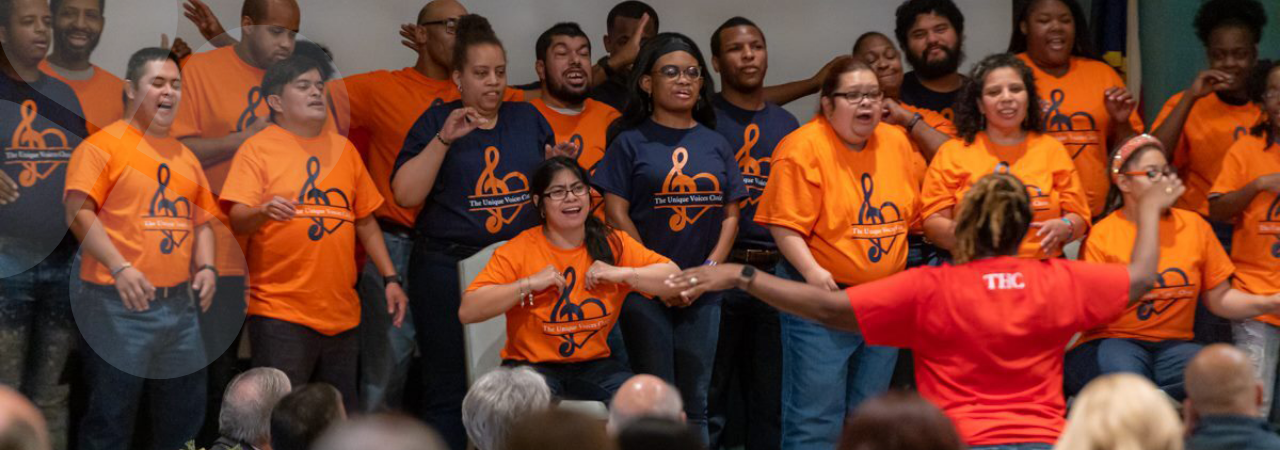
[160, 349]
[37, 333]
[825, 374]
[434, 296]
[385, 350]
[1161, 362]
[677, 345]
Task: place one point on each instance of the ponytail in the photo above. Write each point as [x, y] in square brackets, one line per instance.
[993, 218]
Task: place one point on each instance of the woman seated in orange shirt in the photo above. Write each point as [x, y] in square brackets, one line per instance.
[561, 286]
[1001, 130]
[988, 333]
[1153, 337]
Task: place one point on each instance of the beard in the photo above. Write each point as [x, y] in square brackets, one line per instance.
[61, 43]
[936, 69]
[564, 93]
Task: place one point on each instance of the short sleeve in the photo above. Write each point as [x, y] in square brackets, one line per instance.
[635, 254]
[368, 199]
[793, 197]
[1218, 267]
[502, 268]
[421, 134]
[613, 172]
[89, 172]
[1088, 283]
[1095, 248]
[546, 135]
[513, 95]
[206, 205]
[888, 309]
[245, 179]
[1232, 176]
[942, 180]
[735, 189]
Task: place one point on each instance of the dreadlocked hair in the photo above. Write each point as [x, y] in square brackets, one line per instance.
[994, 217]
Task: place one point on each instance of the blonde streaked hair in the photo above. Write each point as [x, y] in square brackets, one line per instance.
[992, 218]
[1122, 411]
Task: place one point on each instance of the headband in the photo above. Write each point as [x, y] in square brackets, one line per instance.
[1132, 145]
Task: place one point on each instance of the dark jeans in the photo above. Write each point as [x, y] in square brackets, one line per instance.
[1209, 327]
[434, 296]
[595, 380]
[385, 350]
[306, 355]
[1161, 362]
[220, 328]
[745, 400]
[126, 353]
[37, 333]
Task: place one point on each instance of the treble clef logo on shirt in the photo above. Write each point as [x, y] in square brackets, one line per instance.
[29, 146]
[566, 311]
[249, 115]
[1273, 218]
[497, 193]
[752, 168]
[163, 207]
[1057, 121]
[677, 183]
[869, 216]
[1172, 285]
[312, 196]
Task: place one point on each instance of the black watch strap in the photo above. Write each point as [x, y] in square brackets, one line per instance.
[388, 279]
[209, 267]
[748, 273]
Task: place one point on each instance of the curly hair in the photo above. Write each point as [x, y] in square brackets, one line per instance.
[910, 10]
[969, 119]
[1257, 88]
[1082, 47]
[1215, 14]
[992, 219]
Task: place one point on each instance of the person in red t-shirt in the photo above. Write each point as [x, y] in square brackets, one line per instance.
[988, 334]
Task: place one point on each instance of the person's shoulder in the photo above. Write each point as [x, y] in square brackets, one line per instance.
[1248, 144]
[105, 76]
[1094, 68]
[594, 107]
[110, 137]
[198, 62]
[1111, 222]
[524, 242]
[777, 112]
[1189, 219]
[56, 89]
[709, 135]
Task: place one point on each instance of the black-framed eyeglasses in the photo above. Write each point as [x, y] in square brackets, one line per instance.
[450, 24]
[673, 72]
[1153, 174]
[854, 97]
[558, 194]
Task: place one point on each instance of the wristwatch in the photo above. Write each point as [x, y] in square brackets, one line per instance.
[209, 267]
[748, 273]
[388, 279]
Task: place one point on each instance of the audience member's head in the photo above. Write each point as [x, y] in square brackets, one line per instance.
[557, 429]
[899, 421]
[656, 432]
[380, 432]
[303, 415]
[644, 396]
[1121, 411]
[497, 399]
[247, 405]
[21, 425]
[1220, 380]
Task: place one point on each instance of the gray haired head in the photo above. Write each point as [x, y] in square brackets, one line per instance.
[247, 404]
[497, 399]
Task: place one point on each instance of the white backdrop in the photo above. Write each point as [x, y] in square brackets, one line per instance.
[363, 35]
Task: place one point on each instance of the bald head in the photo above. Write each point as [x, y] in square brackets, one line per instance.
[21, 425]
[261, 10]
[644, 396]
[1220, 380]
[440, 10]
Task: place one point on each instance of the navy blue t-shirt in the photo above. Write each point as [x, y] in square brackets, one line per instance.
[40, 124]
[481, 194]
[677, 182]
[753, 135]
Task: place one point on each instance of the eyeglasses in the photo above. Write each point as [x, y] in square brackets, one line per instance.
[1153, 174]
[672, 72]
[854, 97]
[577, 190]
[450, 24]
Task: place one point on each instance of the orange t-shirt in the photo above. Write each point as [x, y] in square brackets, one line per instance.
[561, 327]
[1041, 162]
[304, 271]
[151, 196]
[938, 122]
[1191, 261]
[1075, 112]
[852, 207]
[1212, 127]
[385, 104]
[1255, 245]
[221, 94]
[587, 128]
[101, 96]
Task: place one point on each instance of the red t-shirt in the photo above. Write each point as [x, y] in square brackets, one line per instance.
[989, 336]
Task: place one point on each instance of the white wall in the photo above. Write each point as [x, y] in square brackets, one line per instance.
[363, 35]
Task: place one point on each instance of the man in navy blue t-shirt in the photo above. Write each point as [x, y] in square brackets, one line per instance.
[40, 124]
[750, 347]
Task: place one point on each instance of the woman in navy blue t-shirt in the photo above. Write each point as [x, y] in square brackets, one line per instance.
[672, 183]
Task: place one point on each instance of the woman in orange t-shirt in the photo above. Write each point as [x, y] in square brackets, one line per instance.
[1001, 128]
[562, 285]
[1153, 337]
[987, 334]
[1245, 194]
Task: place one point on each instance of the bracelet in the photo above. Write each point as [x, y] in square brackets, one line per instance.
[710, 263]
[1071, 227]
[209, 267]
[524, 293]
[442, 141]
[121, 269]
[914, 120]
